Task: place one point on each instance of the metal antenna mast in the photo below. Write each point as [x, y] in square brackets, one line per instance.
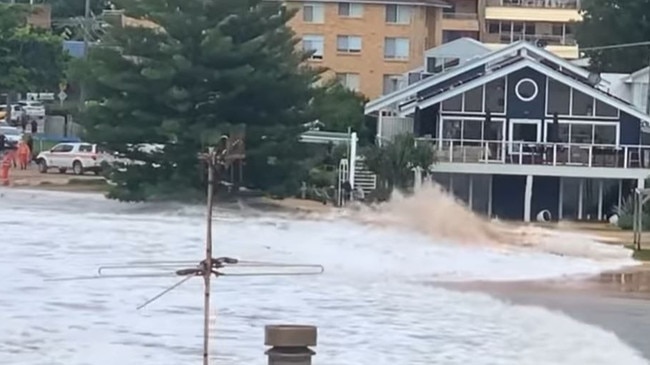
[207, 266]
[215, 160]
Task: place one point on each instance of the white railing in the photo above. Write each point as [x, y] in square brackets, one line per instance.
[562, 4]
[550, 154]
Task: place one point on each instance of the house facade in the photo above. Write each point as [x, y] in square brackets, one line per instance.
[521, 132]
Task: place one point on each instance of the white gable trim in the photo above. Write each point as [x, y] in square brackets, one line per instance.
[544, 70]
[629, 109]
[560, 61]
[401, 95]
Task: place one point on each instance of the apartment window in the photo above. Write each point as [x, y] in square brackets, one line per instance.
[393, 83]
[348, 44]
[313, 13]
[398, 14]
[314, 43]
[349, 80]
[396, 48]
[351, 10]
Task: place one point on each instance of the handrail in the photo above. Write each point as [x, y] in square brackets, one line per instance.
[551, 39]
[540, 153]
[553, 4]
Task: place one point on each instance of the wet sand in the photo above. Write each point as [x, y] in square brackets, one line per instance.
[616, 301]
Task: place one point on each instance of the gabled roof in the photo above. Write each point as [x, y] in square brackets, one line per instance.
[504, 54]
[465, 47]
[408, 107]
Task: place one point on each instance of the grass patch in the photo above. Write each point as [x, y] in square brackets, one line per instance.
[641, 255]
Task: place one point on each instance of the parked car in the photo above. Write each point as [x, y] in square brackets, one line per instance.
[78, 157]
[13, 135]
[33, 109]
[16, 113]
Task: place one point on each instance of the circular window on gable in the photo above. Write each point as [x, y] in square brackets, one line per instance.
[526, 89]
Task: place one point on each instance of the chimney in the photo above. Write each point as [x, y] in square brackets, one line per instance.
[290, 344]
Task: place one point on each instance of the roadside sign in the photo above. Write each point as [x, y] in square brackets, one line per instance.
[63, 86]
[40, 96]
[62, 96]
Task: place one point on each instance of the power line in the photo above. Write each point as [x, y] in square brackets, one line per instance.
[617, 46]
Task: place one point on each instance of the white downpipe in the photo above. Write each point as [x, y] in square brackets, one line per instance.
[353, 158]
[380, 125]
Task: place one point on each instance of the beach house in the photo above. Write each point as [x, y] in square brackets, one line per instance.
[522, 133]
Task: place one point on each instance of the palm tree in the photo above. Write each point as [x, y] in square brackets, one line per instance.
[394, 162]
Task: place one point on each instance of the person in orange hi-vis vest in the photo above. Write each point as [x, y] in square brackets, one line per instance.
[23, 155]
[7, 161]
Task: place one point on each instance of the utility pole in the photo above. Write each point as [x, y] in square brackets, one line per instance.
[86, 33]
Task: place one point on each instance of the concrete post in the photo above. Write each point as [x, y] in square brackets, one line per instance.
[290, 344]
[528, 197]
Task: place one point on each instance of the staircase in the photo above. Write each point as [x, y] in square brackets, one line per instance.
[363, 178]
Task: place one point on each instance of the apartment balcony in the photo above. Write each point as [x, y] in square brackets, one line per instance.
[460, 22]
[562, 11]
[562, 46]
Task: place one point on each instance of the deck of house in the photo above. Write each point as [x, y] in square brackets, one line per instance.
[541, 153]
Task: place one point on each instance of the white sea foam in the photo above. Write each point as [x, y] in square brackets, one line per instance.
[374, 305]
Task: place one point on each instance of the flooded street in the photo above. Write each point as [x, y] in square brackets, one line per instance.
[374, 304]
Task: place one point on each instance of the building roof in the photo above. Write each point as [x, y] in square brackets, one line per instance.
[433, 3]
[462, 47]
[639, 76]
[496, 65]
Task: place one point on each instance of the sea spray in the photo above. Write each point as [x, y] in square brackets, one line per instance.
[433, 211]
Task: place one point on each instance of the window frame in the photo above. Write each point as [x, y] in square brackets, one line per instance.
[396, 40]
[348, 49]
[346, 76]
[350, 12]
[314, 38]
[317, 13]
[398, 11]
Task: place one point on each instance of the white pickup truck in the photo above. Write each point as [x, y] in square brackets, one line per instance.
[78, 157]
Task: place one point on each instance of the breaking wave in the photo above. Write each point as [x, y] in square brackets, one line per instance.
[434, 212]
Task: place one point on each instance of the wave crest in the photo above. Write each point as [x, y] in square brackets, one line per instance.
[432, 211]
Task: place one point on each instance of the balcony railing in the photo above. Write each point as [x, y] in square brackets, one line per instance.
[460, 16]
[549, 154]
[550, 39]
[553, 4]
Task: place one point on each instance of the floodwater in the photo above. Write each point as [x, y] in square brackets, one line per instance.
[375, 304]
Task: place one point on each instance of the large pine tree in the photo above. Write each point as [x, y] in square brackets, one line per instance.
[206, 66]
